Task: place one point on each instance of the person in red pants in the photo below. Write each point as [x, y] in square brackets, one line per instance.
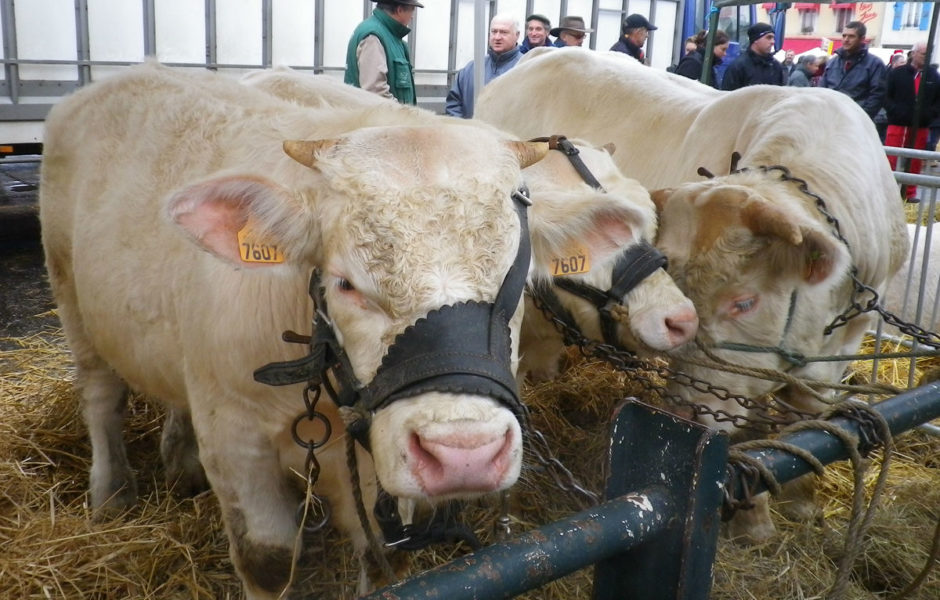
[902, 87]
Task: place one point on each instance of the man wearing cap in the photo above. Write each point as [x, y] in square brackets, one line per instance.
[855, 72]
[570, 32]
[536, 33]
[757, 65]
[377, 58]
[503, 54]
[636, 28]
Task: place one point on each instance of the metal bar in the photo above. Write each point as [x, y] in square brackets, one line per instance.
[150, 28]
[82, 42]
[480, 25]
[11, 69]
[709, 59]
[319, 29]
[523, 563]
[903, 412]
[267, 34]
[452, 43]
[212, 41]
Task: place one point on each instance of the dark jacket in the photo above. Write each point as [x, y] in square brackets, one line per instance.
[460, 97]
[627, 47]
[751, 68]
[900, 97]
[692, 64]
[525, 46]
[861, 77]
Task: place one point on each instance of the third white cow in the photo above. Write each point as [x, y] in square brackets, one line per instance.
[754, 252]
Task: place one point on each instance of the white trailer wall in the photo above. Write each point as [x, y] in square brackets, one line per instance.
[51, 47]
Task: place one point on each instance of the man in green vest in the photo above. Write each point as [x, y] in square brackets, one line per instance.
[377, 57]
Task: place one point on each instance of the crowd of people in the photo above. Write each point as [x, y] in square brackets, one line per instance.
[377, 60]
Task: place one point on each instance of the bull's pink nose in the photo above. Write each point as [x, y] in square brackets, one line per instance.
[682, 326]
[462, 464]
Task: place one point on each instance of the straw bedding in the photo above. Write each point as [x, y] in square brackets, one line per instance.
[171, 548]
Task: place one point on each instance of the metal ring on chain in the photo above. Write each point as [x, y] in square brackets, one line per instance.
[325, 507]
[311, 444]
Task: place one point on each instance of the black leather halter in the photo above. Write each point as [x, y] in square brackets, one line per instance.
[463, 348]
[634, 264]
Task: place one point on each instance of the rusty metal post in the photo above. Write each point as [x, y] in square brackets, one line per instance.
[647, 446]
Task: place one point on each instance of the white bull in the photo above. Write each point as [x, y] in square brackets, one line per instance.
[660, 316]
[753, 252]
[159, 191]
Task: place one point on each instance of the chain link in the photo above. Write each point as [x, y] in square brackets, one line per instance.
[312, 504]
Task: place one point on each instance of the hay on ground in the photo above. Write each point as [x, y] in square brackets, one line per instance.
[169, 548]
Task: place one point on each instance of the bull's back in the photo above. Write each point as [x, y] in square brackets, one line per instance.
[599, 97]
[131, 289]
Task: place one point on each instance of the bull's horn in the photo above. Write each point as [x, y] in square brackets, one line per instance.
[305, 151]
[610, 147]
[528, 153]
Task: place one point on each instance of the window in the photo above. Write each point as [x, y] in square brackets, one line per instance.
[734, 20]
[843, 16]
[910, 15]
[808, 21]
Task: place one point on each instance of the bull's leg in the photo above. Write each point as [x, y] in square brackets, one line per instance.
[104, 396]
[113, 484]
[184, 473]
[258, 506]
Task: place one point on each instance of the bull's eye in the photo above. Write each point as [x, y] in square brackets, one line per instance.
[344, 285]
[741, 306]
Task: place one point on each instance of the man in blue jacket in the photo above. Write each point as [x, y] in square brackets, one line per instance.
[503, 55]
[856, 72]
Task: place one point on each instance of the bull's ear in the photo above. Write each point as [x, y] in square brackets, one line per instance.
[800, 249]
[246, 221]
[660, 197]
[590, 232]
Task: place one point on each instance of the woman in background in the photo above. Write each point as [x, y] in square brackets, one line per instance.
[692, 63]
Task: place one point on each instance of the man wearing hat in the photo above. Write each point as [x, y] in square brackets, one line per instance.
[377, 57]
[757, 65]
[636, 28]
[570, 32]
[536, 33]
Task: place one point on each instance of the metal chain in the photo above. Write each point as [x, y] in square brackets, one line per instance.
[312, 503]
[641, 369]
[860, 290]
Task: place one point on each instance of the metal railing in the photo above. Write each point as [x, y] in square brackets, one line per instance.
[659, 541]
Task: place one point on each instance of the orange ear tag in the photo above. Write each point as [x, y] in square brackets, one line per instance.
[251, 250]
[574, 260]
